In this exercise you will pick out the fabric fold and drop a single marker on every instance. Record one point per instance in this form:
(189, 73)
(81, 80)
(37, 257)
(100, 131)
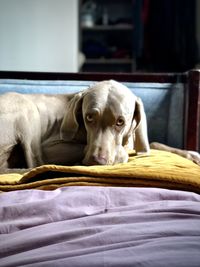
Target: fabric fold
(159, 169)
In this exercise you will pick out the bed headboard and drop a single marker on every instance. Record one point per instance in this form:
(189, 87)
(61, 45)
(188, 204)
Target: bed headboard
(171, 100)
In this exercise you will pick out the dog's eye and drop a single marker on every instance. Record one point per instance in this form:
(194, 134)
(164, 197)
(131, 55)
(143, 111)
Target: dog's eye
(89, 118)
(120, 122)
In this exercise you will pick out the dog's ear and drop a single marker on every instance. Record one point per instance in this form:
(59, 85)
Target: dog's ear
(137, 136)
(70, 123)
(141, 142)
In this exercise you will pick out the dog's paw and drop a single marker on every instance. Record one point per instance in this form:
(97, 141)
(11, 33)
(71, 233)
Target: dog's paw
(194, 156)
(121, 156)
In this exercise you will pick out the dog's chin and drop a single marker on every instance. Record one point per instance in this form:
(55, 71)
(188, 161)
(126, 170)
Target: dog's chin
(91, 161)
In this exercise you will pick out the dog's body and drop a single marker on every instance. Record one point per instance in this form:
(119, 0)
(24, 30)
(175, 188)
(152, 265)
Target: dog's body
(29, 120)
(96, 126)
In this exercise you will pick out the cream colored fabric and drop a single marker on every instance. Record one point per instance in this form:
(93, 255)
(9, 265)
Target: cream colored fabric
(159, 169)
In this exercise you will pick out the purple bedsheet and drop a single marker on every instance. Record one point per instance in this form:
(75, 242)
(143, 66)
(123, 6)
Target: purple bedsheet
(100, 226)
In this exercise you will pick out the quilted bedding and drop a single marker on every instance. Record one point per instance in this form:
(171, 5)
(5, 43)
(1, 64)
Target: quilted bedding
(100, 226)
(143, 213)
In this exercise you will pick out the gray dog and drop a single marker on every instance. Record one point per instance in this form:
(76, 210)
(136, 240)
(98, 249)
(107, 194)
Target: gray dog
(95, 126)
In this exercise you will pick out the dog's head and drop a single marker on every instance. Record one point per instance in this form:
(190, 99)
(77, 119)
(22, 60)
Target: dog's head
(108, 118)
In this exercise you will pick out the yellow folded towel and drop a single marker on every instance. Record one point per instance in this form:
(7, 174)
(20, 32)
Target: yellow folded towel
(159, 169)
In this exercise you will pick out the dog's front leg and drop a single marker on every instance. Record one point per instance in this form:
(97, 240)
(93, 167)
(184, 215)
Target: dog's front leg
(33, 156)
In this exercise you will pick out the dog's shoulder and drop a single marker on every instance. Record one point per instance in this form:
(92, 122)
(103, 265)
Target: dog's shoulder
(12, 102)
(10, 97)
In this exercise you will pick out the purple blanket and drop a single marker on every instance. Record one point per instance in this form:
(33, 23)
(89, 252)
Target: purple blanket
(100, 226)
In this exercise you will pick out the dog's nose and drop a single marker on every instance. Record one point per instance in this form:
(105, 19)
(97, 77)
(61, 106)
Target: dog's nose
(97, 160)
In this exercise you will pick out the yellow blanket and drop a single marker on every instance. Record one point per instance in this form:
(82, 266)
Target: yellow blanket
(159, 169)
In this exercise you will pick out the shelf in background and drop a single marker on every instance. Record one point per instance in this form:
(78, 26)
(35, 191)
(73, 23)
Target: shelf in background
(109, 61)
(107, 35)
(108, 28)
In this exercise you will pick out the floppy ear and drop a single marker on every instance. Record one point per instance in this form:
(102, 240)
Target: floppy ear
(141, 142)
(70, 124)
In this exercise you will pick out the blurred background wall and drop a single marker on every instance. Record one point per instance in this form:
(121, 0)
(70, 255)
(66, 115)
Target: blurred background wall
(99, 35)
(39, 35)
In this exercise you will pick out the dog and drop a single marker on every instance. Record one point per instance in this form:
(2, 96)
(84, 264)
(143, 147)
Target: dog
(96, 126)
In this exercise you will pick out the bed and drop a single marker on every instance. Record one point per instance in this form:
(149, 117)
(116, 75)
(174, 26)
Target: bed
(142, 213)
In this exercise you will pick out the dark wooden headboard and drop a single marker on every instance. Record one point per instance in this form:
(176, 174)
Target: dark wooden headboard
(190, 79)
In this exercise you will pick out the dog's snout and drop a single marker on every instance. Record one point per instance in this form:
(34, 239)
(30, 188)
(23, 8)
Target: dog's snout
(97, 160)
